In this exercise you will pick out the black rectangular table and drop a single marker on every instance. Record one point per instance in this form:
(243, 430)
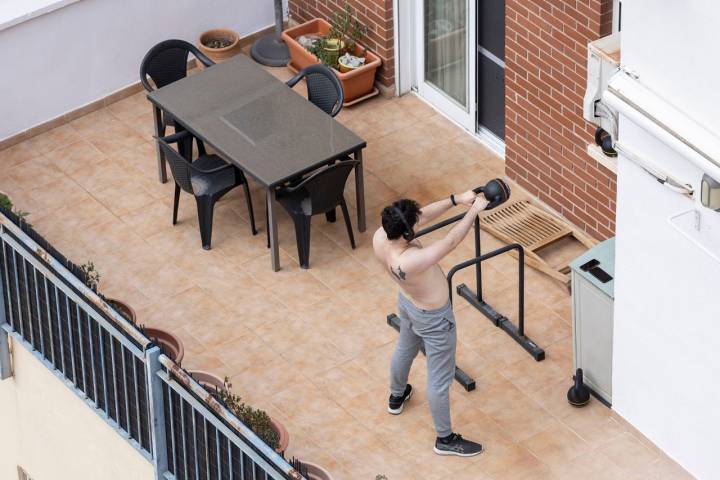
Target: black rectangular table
(256, 122)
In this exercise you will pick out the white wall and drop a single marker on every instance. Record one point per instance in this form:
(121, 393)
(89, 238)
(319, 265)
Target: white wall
(53, 434)
(60, 61)
(667, 309)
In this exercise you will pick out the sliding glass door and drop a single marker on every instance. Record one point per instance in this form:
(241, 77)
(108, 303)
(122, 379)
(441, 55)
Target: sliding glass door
(445, 30)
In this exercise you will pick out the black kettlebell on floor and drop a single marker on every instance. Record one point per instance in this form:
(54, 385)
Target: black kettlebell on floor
(579, 394)
(496, 192)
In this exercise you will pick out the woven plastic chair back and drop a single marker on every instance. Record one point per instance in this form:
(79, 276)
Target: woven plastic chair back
(322, 191)
(166, 62)
(179, 167)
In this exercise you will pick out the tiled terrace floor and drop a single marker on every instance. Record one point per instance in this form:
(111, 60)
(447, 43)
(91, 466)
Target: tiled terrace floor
(312, 347)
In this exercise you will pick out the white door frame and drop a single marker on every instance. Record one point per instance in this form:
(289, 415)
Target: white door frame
(407, 65)
(463, 116)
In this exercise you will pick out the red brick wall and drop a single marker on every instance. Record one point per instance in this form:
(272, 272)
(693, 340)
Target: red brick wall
(546, 136)
(376, 14)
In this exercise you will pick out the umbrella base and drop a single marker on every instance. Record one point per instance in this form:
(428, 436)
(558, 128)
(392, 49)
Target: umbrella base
(271, 51)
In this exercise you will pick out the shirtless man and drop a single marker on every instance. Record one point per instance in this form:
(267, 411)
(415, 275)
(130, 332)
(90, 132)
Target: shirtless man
(424, 307)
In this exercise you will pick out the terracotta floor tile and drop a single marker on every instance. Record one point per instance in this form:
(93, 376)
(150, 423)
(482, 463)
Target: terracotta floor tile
(556, 445)
(628, 453)
(52, 140)
(590, 466)
(663, 469)
(34, 173)
(95, 122)
(510, 461)
(595, 426)
(17, 154)
(76, 157)
(514, 411)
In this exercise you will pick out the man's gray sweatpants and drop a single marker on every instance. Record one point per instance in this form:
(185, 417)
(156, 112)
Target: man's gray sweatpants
(436, 329)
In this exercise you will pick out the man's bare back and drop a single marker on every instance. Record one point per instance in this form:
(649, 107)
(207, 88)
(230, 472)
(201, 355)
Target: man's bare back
(415, 268)
(428, 289)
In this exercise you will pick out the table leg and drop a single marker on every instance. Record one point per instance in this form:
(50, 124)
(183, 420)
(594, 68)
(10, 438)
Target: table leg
(360, 191)
(272, 229)
(160, 132)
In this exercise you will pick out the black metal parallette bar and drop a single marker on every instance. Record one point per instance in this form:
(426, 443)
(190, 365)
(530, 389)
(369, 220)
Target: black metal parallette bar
(461, 377)
(439, 225)
(478, 266)
(499, 320)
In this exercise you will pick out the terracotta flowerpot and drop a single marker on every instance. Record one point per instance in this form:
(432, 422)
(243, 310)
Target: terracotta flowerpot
(356, 83)
(211, 383)
(171, 344)
(316, 472)
(282, 433)
(218, 54)
(123, 309)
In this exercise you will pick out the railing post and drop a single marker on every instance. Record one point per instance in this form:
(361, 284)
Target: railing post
(157, 411)
(5, 365)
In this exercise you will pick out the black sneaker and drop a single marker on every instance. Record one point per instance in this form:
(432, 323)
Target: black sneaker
(454, 444)
(396, 404)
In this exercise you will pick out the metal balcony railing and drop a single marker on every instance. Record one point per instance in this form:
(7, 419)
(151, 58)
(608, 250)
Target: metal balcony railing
(152, 402)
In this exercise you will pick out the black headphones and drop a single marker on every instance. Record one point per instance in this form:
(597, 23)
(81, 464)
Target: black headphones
(409, 233)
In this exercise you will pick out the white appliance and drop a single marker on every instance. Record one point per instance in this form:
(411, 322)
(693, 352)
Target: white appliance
(592, 319)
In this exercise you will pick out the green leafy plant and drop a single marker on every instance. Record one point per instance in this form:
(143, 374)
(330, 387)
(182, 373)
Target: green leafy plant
(345, 27)
(326, 58)
(380, 477)
(6, 203)
(256, 420)
(91, 278)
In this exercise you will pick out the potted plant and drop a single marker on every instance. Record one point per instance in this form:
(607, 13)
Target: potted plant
(170, 343)
(210, 382)
(219, 44)
(269, 430)
(319, 41)
(7, 203)
(310, 470)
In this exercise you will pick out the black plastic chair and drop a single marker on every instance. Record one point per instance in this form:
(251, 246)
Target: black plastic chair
(319, 193)
(166, 63)
(324, 89)
(207, 178)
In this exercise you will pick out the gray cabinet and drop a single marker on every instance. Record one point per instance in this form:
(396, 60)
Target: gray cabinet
(593, 301)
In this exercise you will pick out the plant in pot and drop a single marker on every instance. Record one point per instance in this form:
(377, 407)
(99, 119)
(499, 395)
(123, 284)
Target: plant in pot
(339, 49)
(337, 45)
(269, 430)
(310, 470)
(170, 343)
(346, 31)
(219, 44)
(7, 203)
(210, 382)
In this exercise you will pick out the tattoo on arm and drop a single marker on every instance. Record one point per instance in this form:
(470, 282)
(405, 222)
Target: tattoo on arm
(399, 274)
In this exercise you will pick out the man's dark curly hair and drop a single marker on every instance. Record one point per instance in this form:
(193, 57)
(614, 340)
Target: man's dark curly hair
(392, 222)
